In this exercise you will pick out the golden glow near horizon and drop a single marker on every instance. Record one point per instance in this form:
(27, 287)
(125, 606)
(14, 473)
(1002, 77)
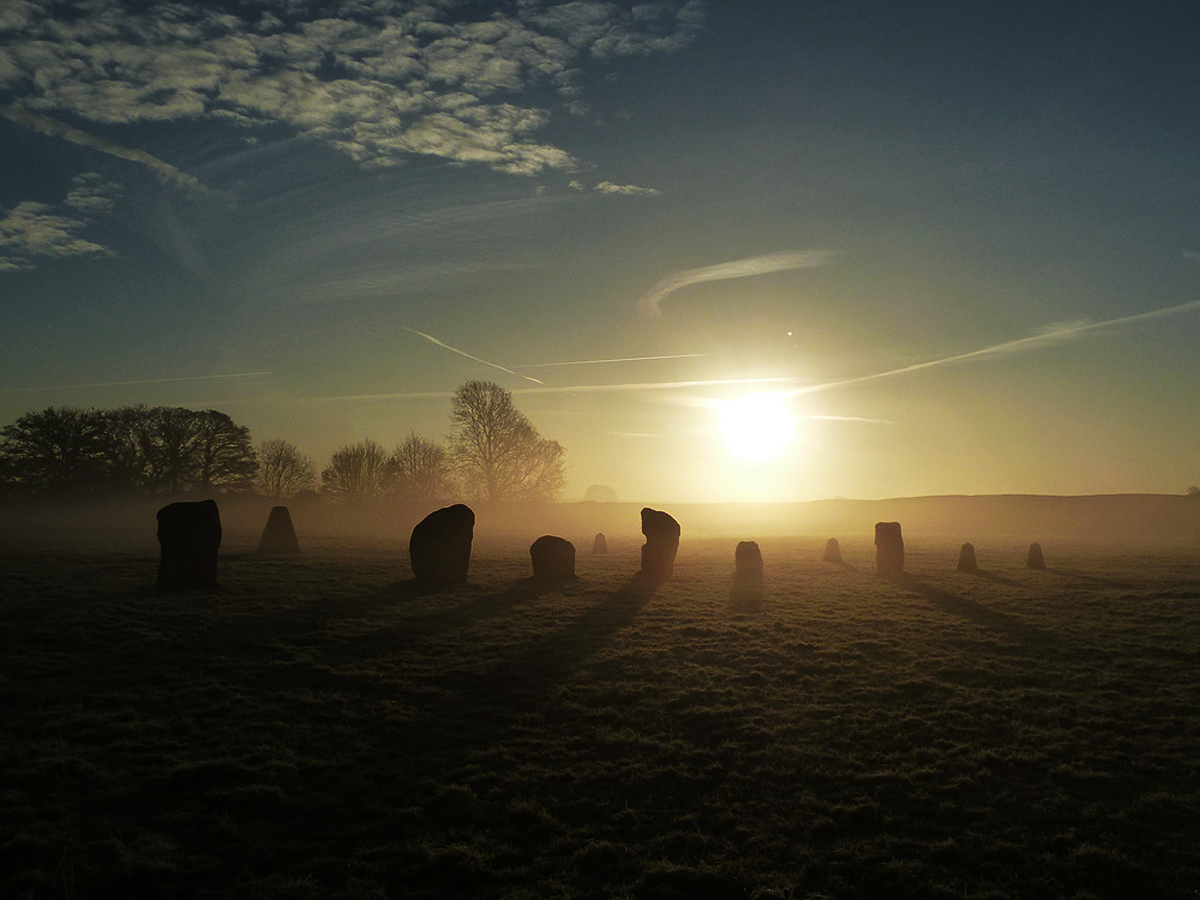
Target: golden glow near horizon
(756, 427)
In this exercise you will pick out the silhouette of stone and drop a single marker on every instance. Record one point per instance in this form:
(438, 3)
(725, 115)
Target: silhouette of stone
(279, 537)
(440, 546)
(833, 551)
(889, 548)
(1035, 560)
(747, 560)
(553, 558)
(966, 559)
(599, 546)
(662, 543)
(189, 537)
(600, 493)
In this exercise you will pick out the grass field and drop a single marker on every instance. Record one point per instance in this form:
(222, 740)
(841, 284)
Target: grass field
(322, 727)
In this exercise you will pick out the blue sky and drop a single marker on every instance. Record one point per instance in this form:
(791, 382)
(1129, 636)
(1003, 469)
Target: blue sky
(958, 240)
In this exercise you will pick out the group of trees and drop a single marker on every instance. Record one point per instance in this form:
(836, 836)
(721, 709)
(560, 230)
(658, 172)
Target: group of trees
(494, 453)
(160, 449)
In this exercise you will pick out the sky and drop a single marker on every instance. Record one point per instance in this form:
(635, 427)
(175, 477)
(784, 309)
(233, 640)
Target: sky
(950, 248)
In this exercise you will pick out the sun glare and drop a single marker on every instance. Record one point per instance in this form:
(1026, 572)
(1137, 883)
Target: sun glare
(756, 427)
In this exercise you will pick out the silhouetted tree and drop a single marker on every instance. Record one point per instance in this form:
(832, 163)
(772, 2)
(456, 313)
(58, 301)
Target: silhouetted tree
(357, 472)
(497, 450)
(127, 444)
(195, 450)
(283, 471)
(159, 448)
(60, 449)
(421, 470)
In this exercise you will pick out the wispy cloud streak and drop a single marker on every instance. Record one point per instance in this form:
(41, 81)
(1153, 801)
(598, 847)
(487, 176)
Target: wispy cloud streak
(650, 303)
(1052, 334)
(603, 362)
(1046, 337)
(104, 384)
(445, 346)
(577, 388)
(52, 128)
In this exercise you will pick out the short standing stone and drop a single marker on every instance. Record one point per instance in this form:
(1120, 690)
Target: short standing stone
(1035, 560)
(189, 535)
(599, 546)
(747, 560)
(889, 548)
(279, 536)
(833, 551)
(662, 543)
(440, 546)
(966, 559)
(553, 558)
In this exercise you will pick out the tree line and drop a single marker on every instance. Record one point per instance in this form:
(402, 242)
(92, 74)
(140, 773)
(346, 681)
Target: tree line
(493, 453)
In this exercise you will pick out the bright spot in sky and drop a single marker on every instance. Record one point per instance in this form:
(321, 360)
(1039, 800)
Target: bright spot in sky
(756, 427)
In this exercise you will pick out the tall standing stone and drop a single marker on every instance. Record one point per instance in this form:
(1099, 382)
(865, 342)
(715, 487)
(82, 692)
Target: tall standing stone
(1035, 560)
(189, 538)
(599, 546)
(553, 558)
(662, 543)
(279, 537)
(747, 560)
(833, 551)
(966, 559)
(889, 549)
(440, 546)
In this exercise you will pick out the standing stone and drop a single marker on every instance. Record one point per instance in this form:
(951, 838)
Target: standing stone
(833, 551)
(553, 558)
(599, 546)
(189, 535)
(440, 546)
(747, 560)
(966, 559)
(662, 543)
(889, 549)
(279, 536)
(1035, 560)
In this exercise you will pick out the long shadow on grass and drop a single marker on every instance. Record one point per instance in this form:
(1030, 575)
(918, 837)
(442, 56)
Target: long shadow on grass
(467, 712)
(1095, 579)
(974, 612)
(996, 579)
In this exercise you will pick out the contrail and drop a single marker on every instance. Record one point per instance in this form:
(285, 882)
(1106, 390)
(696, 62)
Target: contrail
(575, 389)
(651, 303)
(52, 128)
(1049, 335)
(100, 384)
(446, 346)
(866, 419)
(623, 359)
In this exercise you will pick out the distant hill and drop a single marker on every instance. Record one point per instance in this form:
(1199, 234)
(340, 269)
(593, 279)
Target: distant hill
(1126, 517)
(1147, 519)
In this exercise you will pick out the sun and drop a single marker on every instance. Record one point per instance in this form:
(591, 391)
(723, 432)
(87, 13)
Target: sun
(757, 427)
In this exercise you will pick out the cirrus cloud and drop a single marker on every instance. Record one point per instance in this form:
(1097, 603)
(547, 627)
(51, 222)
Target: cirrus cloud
(379, 82)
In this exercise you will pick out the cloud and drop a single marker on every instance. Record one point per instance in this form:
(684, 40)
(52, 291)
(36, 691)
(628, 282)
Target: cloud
(650, 304)
(628, 190)
(92, 194)
(377, 81)
(35, 230)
